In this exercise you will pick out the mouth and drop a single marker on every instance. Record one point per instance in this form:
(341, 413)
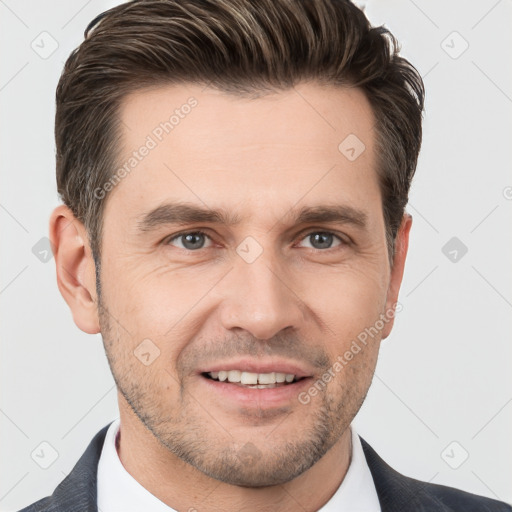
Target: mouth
(255, 385)
(253, 380)
(249, 383)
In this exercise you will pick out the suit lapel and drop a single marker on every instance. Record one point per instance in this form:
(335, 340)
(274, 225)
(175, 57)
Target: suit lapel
(397, 492)
(78, 491)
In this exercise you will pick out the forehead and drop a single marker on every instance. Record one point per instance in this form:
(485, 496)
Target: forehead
(305, 146)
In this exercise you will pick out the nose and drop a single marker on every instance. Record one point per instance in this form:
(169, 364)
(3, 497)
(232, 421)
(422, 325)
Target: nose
(259, 298)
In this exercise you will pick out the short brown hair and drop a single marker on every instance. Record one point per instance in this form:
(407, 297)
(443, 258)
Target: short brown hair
(242, 47)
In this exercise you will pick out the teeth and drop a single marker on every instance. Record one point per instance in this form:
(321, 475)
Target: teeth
(249, 378)
(267, 378)
(234, 376)
(252, 379)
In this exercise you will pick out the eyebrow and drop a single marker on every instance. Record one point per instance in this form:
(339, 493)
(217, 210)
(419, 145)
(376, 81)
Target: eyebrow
(182, 214)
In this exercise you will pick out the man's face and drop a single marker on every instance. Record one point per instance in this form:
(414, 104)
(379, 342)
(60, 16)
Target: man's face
(265, 295)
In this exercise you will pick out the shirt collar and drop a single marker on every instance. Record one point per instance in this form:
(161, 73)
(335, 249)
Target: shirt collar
(357, 491)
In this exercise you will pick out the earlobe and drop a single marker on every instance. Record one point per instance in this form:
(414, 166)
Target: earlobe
(397, 270)
(75, 269)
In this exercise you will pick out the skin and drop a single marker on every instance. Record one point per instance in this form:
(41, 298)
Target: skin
(298, 301)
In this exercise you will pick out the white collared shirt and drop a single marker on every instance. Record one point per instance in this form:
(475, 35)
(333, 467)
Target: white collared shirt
(118, 491)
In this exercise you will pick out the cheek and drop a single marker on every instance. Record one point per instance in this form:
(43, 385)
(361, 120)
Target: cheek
(153, 298)
(157, 310)
(348, 300)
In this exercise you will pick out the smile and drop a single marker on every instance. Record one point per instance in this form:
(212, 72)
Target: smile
(253, 380)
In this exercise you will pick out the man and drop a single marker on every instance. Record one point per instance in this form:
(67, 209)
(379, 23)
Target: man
(234, 177)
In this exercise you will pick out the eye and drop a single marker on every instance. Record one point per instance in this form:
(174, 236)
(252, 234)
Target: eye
(195, 240)
(322, 240)
(190, 241)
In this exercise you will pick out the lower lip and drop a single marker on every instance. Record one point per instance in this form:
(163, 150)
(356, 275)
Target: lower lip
(258, 397)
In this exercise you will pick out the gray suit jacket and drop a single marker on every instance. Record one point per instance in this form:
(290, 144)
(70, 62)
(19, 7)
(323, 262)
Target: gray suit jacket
(397, 493)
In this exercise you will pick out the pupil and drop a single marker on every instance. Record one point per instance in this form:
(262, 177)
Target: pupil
(323, 239)
(189, 241)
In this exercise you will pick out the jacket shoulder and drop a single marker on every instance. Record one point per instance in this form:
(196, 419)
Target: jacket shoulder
(400, 493)
(78, 491)
(456, 499)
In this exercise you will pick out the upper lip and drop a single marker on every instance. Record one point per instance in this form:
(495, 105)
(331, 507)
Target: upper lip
(259, 366)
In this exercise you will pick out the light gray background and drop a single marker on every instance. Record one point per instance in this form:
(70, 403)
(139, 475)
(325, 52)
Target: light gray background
(443, 376)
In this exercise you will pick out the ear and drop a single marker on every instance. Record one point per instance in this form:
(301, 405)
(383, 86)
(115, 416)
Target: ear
(397, 270)
(76, 276)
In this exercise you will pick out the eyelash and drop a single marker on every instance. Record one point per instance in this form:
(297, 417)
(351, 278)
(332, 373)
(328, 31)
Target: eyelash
(303, 235)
